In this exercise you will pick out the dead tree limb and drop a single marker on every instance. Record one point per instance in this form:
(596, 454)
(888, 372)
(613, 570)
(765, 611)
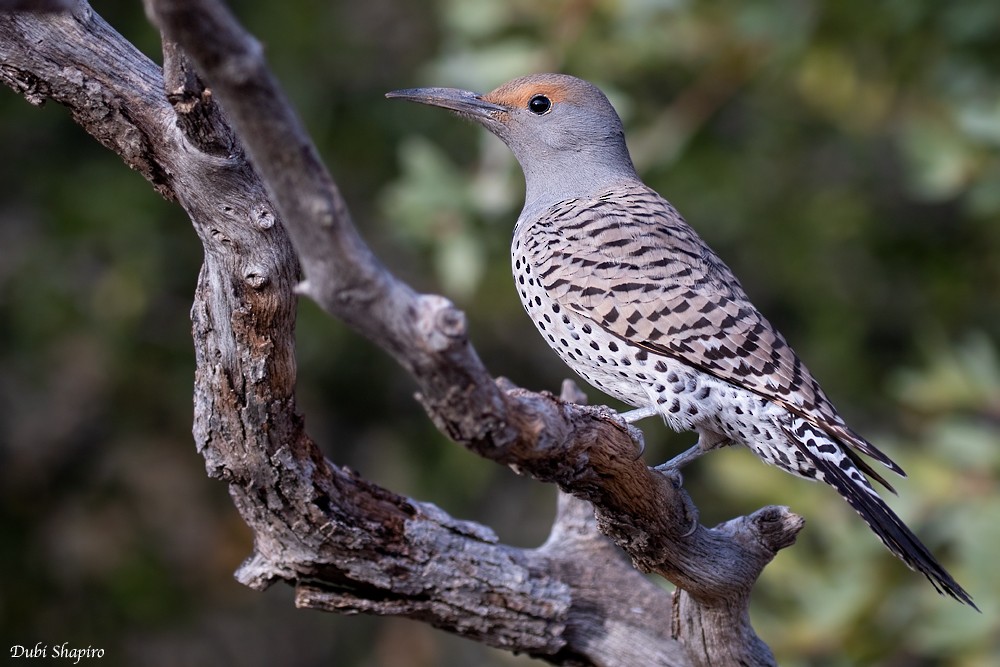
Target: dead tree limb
(346, 544)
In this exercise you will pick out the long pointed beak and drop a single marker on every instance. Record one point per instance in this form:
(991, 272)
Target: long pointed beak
(463, 101)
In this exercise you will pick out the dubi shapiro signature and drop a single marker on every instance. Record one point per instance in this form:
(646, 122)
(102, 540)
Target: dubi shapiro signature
(64, 650)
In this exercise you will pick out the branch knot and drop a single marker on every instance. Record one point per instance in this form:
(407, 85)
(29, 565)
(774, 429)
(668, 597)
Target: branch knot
(440, 323)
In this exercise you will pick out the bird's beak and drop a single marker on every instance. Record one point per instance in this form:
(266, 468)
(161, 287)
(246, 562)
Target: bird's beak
(463, 101)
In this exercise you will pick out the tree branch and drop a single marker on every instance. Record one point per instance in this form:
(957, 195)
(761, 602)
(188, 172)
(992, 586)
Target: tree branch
(347, 544)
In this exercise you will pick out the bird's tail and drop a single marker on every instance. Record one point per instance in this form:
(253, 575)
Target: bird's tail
(838, 471)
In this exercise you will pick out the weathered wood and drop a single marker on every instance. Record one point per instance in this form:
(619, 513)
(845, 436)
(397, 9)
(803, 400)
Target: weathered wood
(346, 544)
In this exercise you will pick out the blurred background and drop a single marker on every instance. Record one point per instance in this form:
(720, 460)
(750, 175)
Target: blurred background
(844, 158)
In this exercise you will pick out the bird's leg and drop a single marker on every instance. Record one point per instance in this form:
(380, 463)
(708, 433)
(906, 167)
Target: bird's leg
(633, 416)
(675, 464)
(707, 440)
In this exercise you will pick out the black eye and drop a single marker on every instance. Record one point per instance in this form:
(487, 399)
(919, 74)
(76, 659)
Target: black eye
(539, 104)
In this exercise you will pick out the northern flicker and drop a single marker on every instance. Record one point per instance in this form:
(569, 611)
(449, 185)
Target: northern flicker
(634, 301)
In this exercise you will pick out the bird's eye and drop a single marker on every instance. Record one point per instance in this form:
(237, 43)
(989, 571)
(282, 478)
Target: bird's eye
(539, 104)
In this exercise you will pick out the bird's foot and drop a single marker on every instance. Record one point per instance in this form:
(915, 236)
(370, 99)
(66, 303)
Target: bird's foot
(694, 522)
(690, 509)
(624, 424)
(636, 435)
(633, 416)
(638, 439)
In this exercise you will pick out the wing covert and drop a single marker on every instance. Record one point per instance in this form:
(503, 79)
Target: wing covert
(627, 261)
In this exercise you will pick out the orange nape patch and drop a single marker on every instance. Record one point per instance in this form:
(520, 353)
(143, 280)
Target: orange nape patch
(517, 93)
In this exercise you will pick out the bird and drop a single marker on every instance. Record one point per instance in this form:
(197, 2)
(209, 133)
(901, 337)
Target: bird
(636, 303)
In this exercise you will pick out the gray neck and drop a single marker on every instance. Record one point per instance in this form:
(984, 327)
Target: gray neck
(554, 177)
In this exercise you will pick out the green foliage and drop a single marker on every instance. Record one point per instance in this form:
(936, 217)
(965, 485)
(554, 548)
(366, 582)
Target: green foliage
(842, 157)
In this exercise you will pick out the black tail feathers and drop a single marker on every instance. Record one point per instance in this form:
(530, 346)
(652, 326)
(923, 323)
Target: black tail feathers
(899, 539)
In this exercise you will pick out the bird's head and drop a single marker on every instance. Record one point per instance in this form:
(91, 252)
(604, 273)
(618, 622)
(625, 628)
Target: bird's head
(563, 130)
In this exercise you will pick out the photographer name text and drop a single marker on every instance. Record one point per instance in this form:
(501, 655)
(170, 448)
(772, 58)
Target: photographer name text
(57, 651)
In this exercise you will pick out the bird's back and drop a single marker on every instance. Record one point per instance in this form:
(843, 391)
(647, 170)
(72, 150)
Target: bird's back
(628, 262)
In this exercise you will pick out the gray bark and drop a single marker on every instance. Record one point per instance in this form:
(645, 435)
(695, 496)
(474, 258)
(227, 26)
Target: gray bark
(266, 209)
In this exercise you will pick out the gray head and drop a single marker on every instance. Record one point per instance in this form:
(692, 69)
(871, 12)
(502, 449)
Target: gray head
(563, 131)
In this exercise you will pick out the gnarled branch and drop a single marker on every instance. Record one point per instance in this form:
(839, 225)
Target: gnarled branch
(346, 544)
